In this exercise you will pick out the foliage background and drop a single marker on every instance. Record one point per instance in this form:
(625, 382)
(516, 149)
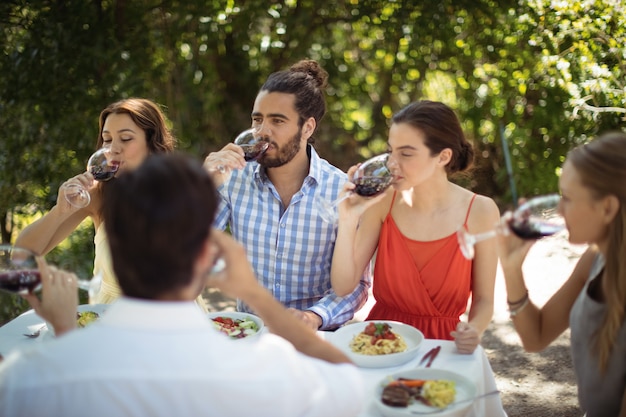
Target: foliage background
(533, 78)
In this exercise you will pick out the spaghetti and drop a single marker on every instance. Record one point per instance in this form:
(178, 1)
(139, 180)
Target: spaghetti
(377, 339)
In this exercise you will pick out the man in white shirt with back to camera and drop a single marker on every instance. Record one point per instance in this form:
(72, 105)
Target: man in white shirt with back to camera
(153, 352)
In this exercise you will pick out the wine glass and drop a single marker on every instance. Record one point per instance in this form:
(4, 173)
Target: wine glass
(534, 219)
(101, 167)
(371, 178)
(252, 144)
(19, 273)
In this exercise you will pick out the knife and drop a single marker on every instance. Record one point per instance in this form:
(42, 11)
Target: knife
(430, 356)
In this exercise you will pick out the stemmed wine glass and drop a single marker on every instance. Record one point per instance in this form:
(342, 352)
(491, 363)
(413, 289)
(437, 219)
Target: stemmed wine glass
(19, 273)
(371, 178)
(101, 167)
(252, 144)
(534, 219)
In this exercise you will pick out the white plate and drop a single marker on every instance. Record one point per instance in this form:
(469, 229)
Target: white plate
(48, 333)
(465, 389)
(236, 315)
(413, 338)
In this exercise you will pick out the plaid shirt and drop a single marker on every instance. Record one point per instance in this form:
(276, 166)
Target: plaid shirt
(290, 248)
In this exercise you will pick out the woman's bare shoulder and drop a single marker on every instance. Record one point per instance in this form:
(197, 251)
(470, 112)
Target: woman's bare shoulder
(484, 212)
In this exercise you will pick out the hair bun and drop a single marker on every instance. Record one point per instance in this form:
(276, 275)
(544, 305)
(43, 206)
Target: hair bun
(313, 69)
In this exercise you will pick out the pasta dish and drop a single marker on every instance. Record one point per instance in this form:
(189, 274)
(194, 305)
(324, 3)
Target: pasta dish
(377, 339)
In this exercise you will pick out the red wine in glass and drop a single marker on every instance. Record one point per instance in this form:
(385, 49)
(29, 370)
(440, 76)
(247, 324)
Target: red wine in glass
(534, 230)
(18, 270)
(20, 281)
(252, 144)
(19, 273)
(253, 152)
(371, 186)
(534, 219)
(371, 178)
(102, 167)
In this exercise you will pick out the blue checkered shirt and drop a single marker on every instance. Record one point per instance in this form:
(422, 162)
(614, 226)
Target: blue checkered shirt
(290, 249)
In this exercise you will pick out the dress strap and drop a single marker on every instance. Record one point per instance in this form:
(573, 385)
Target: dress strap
(468, 210)
(393, 199)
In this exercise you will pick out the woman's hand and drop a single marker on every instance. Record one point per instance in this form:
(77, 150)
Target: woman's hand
(511, 249)
(59, 297)
(355, 205)
(84, 180)
(466, 337)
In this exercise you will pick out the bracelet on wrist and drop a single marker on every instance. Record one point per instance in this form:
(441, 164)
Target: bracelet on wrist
(515, 311)
(520, 301)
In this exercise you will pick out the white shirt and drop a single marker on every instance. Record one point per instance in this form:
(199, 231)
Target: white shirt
(146, 358)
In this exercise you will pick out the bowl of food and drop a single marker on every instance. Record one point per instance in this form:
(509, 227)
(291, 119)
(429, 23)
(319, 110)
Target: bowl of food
(378, 343)
(436, 392)
(85, 315)
(237, 325)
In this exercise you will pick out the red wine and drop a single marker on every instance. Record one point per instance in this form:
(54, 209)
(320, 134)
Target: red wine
(534, 230)
(103, 174)
(26, 280)
(369, 186)
(252, 152)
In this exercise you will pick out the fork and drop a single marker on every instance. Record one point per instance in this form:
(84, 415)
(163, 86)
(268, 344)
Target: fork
(36, 333)
(439, 410)
(429, 357)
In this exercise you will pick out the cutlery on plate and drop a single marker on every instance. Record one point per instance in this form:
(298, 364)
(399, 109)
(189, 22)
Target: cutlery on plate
(439, 410)
(429, 357)
(36, 333)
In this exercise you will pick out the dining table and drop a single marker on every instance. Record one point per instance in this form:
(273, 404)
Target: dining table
(474, 366)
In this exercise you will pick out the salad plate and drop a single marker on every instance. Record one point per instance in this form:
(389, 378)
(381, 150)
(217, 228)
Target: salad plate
(237, 325)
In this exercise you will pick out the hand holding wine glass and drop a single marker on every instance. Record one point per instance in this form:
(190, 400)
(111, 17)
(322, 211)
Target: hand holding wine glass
(534, 219)
(371, 178)
(248, 146)
(102, 167)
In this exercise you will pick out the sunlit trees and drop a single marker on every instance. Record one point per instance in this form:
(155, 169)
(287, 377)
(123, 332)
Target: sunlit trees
(543, 75)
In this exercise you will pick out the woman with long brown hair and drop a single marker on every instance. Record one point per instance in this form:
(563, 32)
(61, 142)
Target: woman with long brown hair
(592, 302)
(132, 128)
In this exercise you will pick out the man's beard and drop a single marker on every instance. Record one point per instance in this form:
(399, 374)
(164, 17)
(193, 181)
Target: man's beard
(285, 154)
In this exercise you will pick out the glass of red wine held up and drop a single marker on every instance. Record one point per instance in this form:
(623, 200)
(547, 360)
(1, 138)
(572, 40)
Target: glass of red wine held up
(252, 144)
(534, 219)
(371, 178)
(19, 273)
(102, 167)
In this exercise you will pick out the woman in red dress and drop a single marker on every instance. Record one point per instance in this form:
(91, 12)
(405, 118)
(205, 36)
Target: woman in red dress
(420, 276)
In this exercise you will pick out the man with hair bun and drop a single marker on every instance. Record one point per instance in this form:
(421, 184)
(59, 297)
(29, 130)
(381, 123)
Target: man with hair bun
(271, 205)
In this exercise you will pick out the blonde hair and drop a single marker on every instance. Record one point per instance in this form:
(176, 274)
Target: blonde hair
(601, 165)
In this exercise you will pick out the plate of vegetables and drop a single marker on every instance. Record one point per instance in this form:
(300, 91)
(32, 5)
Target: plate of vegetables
(237, 325)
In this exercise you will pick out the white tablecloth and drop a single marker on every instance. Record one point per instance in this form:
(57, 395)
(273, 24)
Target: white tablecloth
(476, 366)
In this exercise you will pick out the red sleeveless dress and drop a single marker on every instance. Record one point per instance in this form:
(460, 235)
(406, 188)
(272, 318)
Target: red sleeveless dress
(424, 284)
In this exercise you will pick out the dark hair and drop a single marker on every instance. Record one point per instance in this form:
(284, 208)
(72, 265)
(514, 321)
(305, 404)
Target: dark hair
(442, 129)
(307, 80)
(601, 165)
(157, 219)
(148, 116)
